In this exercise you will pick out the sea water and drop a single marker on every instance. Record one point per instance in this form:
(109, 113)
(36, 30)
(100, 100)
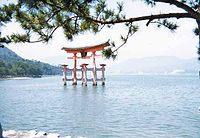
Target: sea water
(126, 107)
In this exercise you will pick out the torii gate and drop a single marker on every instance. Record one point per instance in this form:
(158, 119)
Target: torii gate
(83, 51)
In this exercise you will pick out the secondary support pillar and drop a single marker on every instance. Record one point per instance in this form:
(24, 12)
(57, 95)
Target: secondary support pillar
(103, 73)
(84, 74)
(74, 70)
(94, 70)
(64, 74)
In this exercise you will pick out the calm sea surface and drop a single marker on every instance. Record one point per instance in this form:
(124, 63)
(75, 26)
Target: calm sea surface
(127, 107)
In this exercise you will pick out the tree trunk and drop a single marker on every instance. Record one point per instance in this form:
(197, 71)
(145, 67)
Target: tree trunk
(198, 24)
(1, 131)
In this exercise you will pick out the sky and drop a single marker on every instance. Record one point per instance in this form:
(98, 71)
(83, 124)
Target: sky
(147, 42)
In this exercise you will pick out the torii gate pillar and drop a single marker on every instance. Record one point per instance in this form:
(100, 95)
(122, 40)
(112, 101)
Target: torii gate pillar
(64, 74)
(84, 74)
(103, 73)
(94, 70)
(74, 70)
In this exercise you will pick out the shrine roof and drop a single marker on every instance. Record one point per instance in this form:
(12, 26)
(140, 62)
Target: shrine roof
(86, 48)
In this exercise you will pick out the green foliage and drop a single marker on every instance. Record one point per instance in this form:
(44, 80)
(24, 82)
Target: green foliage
(44, 17)
(19, 69)
(194, 4)
(150, 2)
(198, 52)
(13, 65)
(107, 53)
(196, 32)
(6, 12)
(170, 25)
(3, 70)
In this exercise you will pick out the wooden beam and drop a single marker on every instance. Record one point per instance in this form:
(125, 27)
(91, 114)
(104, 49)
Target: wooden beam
(86, 48)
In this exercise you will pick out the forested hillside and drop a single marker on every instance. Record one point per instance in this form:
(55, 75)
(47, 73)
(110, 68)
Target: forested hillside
(13, 65)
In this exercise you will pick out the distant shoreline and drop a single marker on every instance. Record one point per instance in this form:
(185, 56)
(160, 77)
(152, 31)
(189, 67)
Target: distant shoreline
(21, 76)
(31, 134)
(26, 77)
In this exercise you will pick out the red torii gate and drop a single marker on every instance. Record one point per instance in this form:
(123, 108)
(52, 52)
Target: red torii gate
(83, 51)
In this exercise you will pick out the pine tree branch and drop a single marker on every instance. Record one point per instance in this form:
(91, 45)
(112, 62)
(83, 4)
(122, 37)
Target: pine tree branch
(54, 14)
(50, 36)
(35, 41)
(181, 5)
(129, 34)
(1, 46)
(142, 18)
(53, 5)
(125, 41)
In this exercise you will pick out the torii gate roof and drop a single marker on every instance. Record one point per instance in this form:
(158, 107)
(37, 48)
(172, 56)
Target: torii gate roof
(86, 48)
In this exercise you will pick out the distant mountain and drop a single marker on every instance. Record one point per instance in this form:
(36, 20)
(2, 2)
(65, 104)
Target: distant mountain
(13, 64)
(157, 65)
(55, 60)
(9, 56)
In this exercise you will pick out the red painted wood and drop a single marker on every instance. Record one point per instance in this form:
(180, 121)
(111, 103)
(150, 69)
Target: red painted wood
(87, 48)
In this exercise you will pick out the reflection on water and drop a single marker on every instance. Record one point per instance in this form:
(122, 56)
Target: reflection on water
(127, 106)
